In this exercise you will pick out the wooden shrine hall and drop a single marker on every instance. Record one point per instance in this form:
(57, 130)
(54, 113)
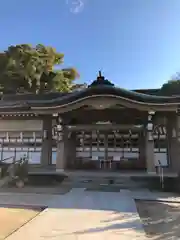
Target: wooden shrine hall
(99, 128)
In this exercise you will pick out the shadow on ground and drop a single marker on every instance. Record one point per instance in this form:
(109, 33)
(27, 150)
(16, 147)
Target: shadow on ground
(118, 225)
(161, 220)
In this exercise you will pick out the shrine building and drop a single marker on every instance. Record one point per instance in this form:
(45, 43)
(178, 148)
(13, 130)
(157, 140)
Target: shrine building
(99, 128)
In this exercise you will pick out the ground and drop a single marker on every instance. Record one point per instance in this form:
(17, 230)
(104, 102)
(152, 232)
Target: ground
(101, 214)
(13, 218)
(37, 190)
(161, 220)
(79, 214)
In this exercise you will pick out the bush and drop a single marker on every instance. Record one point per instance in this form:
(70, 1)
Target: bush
(21, 169)
(4, 170)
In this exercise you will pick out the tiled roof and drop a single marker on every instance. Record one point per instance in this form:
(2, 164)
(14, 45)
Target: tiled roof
(100, 87)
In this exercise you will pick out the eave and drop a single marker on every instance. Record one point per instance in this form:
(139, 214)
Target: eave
(68, 102)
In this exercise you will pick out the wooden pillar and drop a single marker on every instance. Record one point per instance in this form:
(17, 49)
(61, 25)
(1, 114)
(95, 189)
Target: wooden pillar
(71, 145)
(62, 151)
(149, 141)
(142, 149)
(174, 143)
(46, 151)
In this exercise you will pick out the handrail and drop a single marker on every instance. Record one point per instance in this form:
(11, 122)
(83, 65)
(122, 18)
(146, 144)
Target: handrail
(5, 159)
(14, 161)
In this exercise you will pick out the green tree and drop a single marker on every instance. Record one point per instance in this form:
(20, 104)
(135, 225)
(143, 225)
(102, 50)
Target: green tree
(27, 68)
(172, 87)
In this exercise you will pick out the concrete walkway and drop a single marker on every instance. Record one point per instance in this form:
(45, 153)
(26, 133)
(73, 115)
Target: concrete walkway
(83, 215)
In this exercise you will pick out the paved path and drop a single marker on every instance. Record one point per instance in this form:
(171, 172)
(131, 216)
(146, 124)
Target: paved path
(83, 215)
(26, 199)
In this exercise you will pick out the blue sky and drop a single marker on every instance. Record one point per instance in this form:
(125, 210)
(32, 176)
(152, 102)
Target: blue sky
(136, 43)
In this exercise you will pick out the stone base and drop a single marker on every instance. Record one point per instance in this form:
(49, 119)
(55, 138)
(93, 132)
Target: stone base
(152, 173)
(60, 170)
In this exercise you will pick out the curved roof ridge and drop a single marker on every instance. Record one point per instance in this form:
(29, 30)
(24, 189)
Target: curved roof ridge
(107, 90)
(134, 92)
(93, 91)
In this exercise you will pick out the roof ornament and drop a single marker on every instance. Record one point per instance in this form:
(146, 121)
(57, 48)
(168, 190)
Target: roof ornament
(100, 81)
(100, 77)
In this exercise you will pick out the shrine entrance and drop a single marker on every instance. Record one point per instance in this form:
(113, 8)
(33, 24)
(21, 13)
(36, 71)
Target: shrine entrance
(107, 149)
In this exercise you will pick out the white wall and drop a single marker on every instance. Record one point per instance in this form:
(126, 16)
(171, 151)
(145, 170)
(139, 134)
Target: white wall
(21, 125)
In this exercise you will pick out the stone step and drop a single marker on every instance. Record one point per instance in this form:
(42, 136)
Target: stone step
(99, 181)
(102, 182)
(93, 186)
(106, 178)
